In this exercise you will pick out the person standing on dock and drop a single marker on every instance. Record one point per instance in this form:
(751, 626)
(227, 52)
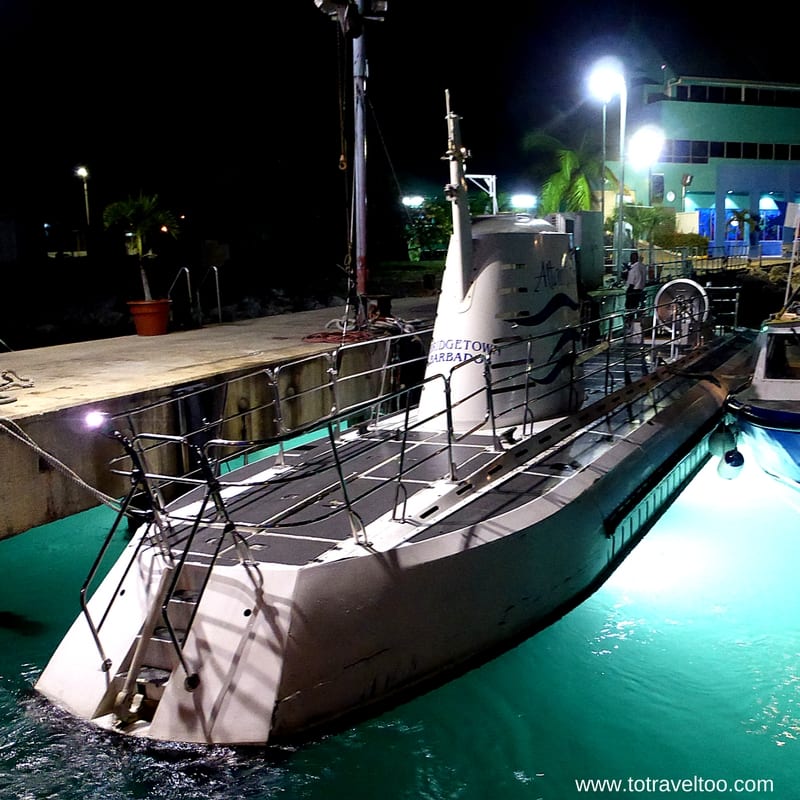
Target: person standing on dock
(634, 289)
(635, 283)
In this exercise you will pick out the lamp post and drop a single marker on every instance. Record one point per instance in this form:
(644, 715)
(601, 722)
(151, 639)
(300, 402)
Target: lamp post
(645, 148)
(686, 182)
(603, 170)
(83, 174)
(605, 81)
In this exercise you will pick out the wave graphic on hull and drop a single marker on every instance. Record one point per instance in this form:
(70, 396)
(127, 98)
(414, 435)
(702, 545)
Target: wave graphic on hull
(555, 303)
(564, 362)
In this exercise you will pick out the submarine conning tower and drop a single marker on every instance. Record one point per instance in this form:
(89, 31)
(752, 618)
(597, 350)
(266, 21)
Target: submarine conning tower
(520, 304)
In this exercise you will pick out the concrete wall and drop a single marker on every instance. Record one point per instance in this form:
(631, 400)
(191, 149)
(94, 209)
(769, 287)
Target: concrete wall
(34, 491)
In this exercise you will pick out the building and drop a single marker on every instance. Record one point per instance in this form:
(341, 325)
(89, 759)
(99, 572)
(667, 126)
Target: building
(730, 162)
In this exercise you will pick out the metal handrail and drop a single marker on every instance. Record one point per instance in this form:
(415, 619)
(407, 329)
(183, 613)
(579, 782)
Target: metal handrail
(182, 271)
(216, 451)
(215, 270)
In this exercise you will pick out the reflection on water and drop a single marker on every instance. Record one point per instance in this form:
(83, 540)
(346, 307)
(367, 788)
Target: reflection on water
(686, 662)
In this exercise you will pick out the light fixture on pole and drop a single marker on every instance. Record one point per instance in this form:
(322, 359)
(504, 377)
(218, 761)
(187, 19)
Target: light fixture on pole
(603, 170)
(83, 174)
(644, 149)
(524, 201)
(686, 182)
(606, 81)
(600, 90)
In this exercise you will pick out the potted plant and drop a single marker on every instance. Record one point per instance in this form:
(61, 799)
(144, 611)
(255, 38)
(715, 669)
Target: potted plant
(141, 217)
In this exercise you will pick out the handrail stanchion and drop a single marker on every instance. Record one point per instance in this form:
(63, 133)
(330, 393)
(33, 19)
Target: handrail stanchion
(215, 270)
(183, 271)
(219, 295)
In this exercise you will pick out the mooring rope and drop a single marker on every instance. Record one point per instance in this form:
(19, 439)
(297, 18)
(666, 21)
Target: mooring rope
(10, 380)
(15, 432)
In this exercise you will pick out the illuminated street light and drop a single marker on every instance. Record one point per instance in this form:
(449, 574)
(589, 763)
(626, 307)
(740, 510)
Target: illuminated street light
(523, 201)
(644, 149)
(413, 201)
(83, 174)
(645, 146)
(607, 80)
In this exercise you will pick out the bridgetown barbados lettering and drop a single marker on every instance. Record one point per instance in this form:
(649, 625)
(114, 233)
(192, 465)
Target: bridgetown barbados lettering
(454, 350)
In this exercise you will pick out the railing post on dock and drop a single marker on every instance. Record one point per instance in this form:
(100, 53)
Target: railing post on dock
(215, 270)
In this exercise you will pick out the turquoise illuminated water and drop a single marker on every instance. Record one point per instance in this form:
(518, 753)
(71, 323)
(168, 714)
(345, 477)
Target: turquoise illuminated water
(685, 666)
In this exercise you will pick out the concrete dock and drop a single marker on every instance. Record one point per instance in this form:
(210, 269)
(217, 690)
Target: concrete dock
(43, 392)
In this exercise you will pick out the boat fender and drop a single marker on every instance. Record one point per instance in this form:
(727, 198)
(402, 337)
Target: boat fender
(730, 465)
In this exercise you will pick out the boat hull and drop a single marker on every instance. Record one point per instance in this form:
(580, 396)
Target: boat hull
(767, 410)
(272, 601)
(283, 652)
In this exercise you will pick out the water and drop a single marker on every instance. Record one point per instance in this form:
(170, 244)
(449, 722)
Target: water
(685, 666)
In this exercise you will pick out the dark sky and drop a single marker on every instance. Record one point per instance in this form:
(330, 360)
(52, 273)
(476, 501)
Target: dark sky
(231, 111)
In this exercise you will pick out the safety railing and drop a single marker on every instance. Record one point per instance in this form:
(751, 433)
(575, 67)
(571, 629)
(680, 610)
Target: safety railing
(370, 386)
(360, 383)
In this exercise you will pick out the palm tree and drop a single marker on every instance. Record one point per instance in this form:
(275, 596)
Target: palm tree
(140, 217)
(644, 220)
(569, 188)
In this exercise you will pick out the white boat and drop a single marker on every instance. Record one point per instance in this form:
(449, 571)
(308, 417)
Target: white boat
(765, 414)
(397, 543)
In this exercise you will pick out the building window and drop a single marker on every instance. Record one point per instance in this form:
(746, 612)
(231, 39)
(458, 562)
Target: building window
(766, 151)
(699, 152)
(737, 95)
(681, 151)
(733, 95)
(656, 188)
(685, 151)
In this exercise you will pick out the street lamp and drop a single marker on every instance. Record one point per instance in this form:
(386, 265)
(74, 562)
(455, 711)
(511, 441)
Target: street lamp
(523, 201)
(644, 149)
(606, 80)
(83, 174)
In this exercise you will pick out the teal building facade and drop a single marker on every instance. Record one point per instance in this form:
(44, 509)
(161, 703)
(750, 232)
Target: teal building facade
(730, 162)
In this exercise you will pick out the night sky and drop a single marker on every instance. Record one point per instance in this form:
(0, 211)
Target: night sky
(231, 112)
